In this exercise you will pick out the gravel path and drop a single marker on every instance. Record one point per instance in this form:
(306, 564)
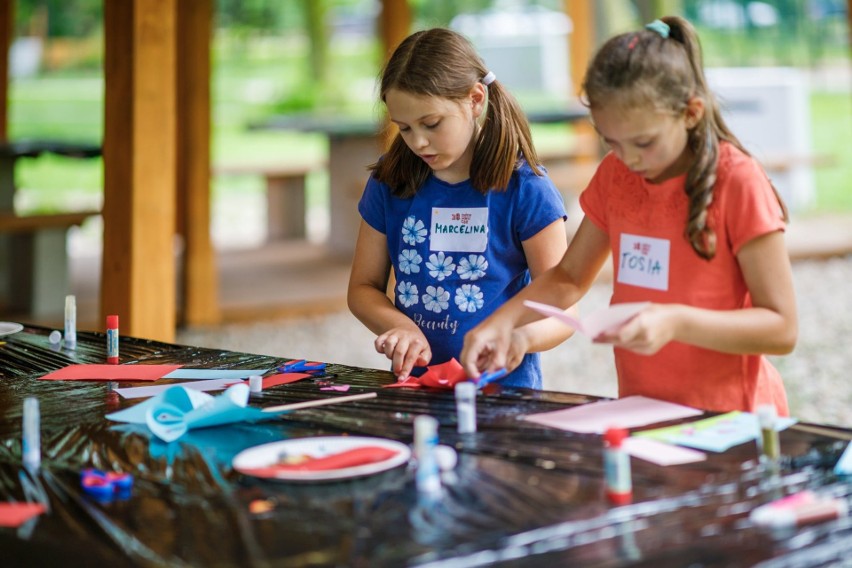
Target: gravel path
(816, 374)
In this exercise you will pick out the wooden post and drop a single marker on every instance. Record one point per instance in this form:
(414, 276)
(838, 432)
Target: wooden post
(199, 279)
(582, 40)
(7, 32)
(394, 24)
(138, 271)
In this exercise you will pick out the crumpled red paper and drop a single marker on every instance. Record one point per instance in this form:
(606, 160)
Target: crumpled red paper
(442, 376)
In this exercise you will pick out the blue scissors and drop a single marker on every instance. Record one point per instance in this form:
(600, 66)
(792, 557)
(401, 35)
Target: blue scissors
(104, 485)
(491, 377)
(302, 366)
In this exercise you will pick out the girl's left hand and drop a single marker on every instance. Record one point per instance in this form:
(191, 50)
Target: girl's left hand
(646, 333)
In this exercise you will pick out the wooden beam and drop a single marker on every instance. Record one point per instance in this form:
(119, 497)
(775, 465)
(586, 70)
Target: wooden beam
(7, 32)
(138, 270)
(199, 280)
(582, 40)
(394, 24)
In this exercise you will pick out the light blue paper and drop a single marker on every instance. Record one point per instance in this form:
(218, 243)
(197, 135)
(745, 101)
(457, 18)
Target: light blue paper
(193, 374)
(716, 434)
(844, 464)
(178, 409)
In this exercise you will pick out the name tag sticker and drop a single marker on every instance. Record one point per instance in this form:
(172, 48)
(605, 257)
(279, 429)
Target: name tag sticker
(459, 230)
(644, 262)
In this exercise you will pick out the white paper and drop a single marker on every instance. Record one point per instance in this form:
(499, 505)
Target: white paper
(594, 324)
(153, 390)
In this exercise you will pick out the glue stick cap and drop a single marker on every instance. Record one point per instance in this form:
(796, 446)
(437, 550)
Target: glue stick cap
(614, 436)
(112, 322)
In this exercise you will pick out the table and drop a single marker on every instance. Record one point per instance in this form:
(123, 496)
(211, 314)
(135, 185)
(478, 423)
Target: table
(521, 494)
(33, 256)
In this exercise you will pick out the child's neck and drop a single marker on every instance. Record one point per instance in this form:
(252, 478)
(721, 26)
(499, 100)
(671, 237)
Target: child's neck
(677, 168)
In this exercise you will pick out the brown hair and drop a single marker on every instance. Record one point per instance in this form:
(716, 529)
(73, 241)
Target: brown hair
(442, 63)
(645, 68)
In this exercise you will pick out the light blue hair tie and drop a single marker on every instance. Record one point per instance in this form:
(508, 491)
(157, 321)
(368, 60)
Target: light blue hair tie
(660, 27)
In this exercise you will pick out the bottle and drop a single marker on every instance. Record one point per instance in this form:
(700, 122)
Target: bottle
(770, 444)
(70, 322)
(466, 407)
(619, 483)
(112, 339)
(31, 447)
(428, 475)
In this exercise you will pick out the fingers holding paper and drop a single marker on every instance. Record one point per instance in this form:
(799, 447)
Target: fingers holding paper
(645, 333)
(406, 348)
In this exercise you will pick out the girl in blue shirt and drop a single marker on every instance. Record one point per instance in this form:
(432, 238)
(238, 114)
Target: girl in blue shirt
(458, 207)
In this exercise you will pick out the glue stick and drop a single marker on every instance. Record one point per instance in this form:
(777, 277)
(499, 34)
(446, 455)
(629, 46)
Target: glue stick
(770, 444)
(428, 475)
(31, 450)
(112, 339)
(466, 407)
(70, 322)
(619, 483)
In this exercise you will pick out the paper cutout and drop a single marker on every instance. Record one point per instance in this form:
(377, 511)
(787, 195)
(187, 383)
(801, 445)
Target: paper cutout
(15, 514)
(284, 379)
(844, 464)
(154, 390)
(442, 376)
(629, 412)
(110, 373)
(715, 434)
(607, 319)
(338, 388)
(170, 414)
(206, 374)
(660, 453)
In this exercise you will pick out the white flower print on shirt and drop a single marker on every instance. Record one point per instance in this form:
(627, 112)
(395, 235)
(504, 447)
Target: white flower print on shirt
(409, 261)
(436, 299)
(469, 298)
(407, 295)
(440, 266)
(413, 231)
(472, 267)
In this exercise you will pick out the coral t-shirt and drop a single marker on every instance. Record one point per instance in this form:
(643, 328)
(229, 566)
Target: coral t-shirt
(653, 261)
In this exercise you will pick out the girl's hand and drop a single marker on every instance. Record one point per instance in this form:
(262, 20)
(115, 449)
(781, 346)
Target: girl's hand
(646, 333)
(406, 347)
(486, 348)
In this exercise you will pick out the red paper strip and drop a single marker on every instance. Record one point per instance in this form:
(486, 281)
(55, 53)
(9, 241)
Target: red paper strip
(283, 379)
(15, 514)
(110, 373)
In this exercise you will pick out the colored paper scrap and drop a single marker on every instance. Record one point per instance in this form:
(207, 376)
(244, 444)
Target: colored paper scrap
(338, 388)
(442, 376)
(154, 390)
(628, 412)
(284, 379)
(205, 374)
(84, 372)
(715, 434)
(170, 414)
(607, 319)
(661, 453)
(844, 464)
(15, 514)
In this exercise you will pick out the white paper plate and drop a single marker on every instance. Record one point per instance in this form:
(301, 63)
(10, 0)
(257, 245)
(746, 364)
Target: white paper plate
(269, 454)
(8, 327)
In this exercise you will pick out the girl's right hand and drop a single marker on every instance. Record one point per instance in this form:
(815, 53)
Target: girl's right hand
(486, 348)
(406, 348)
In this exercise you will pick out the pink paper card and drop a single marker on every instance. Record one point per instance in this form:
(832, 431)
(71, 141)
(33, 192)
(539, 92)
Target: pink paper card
(15, 514)
(607, 319)
(660, 453)
(110, 373)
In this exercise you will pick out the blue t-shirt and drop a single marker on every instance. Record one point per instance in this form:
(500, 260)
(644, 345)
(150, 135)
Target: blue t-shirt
(457, 254)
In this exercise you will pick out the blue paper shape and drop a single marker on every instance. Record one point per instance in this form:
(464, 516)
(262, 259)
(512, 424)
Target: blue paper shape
(174, 411)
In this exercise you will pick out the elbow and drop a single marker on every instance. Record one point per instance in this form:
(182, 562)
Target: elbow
(786, 341)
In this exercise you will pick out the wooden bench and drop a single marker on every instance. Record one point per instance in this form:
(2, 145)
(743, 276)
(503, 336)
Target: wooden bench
(286, 195)
(34, 276)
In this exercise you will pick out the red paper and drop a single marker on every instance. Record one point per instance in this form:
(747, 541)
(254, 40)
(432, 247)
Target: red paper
(15, 514)
(110, 373)
(283, 379)
(443, 376)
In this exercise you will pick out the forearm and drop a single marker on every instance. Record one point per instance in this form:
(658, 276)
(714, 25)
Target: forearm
(375, 310)
(544, 334)
(744, 331)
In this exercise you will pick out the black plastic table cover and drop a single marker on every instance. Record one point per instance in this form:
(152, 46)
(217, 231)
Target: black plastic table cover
(520, 495)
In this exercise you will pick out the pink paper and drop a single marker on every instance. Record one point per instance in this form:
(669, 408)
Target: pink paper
(660, 453)
(339, 388)
(15, 514)
(594, 324)
(110, 373)
(629, 412)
